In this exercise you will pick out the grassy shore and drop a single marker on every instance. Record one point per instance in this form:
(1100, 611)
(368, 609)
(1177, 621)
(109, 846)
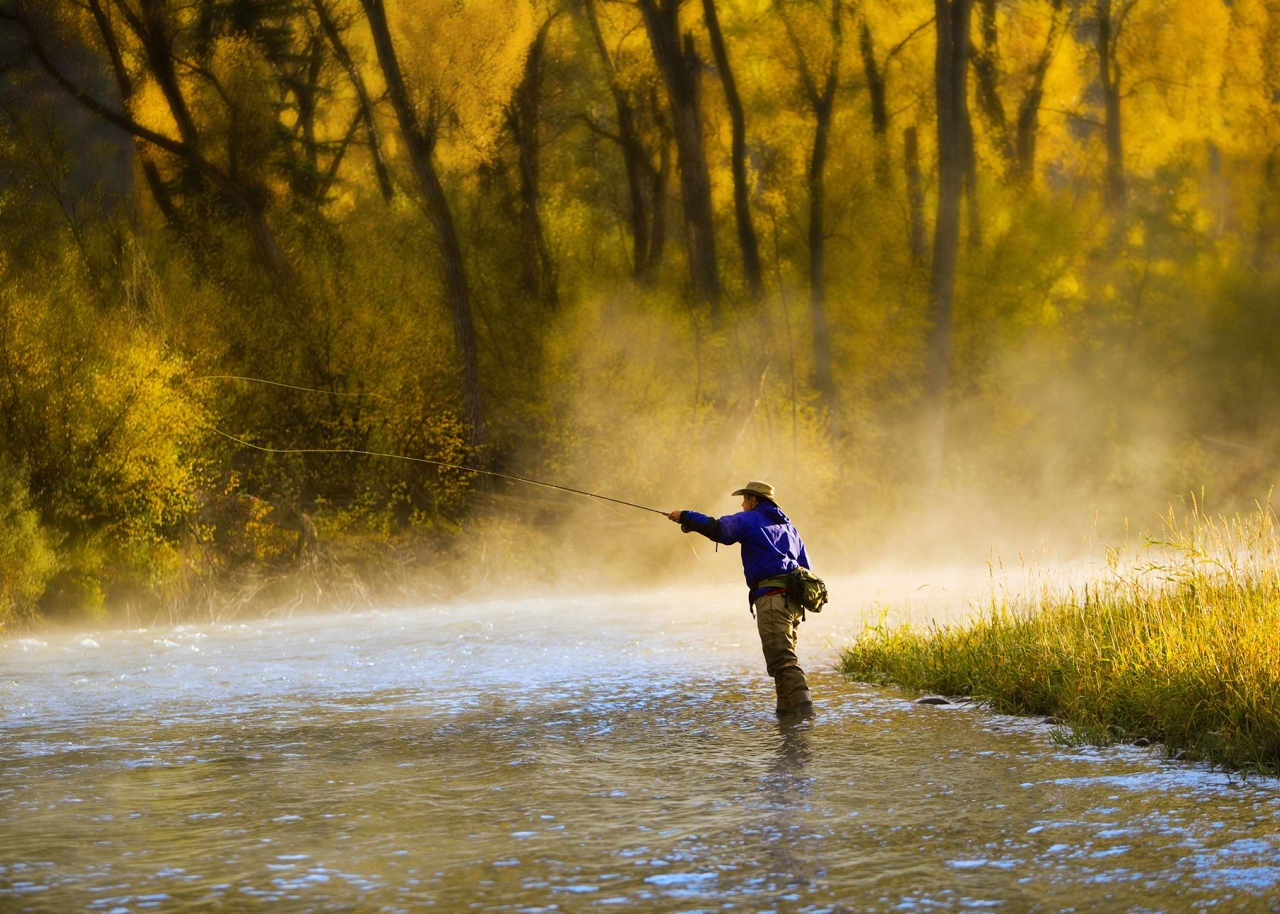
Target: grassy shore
(1180, 645)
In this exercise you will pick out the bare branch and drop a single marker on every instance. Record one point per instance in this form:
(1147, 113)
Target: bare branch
(897, 48)
(598, 130)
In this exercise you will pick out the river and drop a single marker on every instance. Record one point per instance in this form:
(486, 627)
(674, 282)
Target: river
(571, 754)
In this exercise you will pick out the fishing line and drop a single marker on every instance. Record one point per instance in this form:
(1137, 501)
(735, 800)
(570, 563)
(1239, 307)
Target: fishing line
(434, 463)
(629, 518)
(312, 390)
(705, 567)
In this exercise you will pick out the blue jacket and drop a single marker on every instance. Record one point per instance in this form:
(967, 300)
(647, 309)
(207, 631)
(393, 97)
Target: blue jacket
(770, 544)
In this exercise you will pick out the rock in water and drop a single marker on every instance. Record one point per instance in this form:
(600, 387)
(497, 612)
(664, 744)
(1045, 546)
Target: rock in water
(1051, 721)
(1142, 741)
(932, 700)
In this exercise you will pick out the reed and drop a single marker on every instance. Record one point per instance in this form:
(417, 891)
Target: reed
(1179, 644)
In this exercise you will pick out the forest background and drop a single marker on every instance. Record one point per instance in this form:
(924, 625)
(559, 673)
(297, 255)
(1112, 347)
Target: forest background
(951, 274)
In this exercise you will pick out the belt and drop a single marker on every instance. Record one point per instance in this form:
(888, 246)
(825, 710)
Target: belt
(775, 584)
(769, 587)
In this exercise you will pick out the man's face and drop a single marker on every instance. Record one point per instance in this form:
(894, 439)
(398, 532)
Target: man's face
(749, 502)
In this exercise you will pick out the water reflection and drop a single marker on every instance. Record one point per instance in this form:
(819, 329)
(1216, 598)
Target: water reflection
(792, 865)
(602, 755)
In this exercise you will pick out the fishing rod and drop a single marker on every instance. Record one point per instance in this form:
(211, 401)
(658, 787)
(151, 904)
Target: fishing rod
(434, 463)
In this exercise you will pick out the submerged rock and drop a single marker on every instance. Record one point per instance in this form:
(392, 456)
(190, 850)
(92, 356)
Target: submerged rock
(932, 700)
(1052, 721)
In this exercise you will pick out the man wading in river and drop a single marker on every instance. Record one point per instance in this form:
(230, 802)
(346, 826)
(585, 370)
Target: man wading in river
(771, 549)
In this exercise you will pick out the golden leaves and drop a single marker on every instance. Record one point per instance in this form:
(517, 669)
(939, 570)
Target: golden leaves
(463, 60)
(239, 110)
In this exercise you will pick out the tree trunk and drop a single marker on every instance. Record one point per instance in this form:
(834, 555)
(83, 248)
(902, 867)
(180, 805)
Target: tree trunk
(362, 95)
(1028, 128)
(634, 157)
(822, 100)
(1029, 108)
(661, 182)
(951, 67)
(915, 195)
(877, 92)
(265, 239)
(681, 73)
(306, 92)
(1267, 210)
(149, 28)
(538, 273)
(159, 192)
(1109, 78)
(419, 146)
(986, 70)
(747, 240)
(823, 378)
(204, 30)
(974, 209)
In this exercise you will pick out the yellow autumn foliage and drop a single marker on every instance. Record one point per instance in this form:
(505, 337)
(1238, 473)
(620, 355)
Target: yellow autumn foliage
(462, 60)
(1103, 351)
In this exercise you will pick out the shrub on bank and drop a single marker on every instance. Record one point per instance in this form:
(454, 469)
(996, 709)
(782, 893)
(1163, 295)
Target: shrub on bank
(27, 556)
(1181, 650)
(94, 413)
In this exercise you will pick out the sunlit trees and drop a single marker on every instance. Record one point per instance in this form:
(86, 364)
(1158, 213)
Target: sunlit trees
(367, 115)
(1108, 22)
(206, 90)
(636, 113)
(676, 53)
(819, 79)
(524, 120)
(454, 56)
(238, 190)
(1252, 143)
(748, 243)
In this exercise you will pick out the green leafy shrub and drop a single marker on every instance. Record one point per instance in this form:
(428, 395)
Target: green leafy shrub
(92, 406)
(27, 555)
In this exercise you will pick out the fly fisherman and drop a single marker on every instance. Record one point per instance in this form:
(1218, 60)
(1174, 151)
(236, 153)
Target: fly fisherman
(771, 549)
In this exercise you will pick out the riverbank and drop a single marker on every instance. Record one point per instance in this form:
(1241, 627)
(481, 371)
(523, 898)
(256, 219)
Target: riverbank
(1177, 646)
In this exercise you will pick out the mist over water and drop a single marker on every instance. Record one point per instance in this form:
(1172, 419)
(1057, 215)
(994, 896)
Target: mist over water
(567, 754)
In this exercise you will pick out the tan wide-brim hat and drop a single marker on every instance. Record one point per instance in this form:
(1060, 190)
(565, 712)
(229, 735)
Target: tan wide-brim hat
(756, 488)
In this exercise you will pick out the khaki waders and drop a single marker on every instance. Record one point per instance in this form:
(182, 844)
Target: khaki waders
(777, 620)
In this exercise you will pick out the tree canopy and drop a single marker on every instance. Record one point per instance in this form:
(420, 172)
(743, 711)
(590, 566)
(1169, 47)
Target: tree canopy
(879, 250)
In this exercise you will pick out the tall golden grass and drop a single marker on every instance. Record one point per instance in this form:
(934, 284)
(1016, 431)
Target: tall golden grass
(1179, 644)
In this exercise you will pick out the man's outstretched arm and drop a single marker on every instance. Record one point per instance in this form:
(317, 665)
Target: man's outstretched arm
(693, 522)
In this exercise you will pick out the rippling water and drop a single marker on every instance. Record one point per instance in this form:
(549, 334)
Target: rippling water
(567, 755)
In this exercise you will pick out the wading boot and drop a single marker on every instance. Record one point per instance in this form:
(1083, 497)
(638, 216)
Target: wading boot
(798, 703)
